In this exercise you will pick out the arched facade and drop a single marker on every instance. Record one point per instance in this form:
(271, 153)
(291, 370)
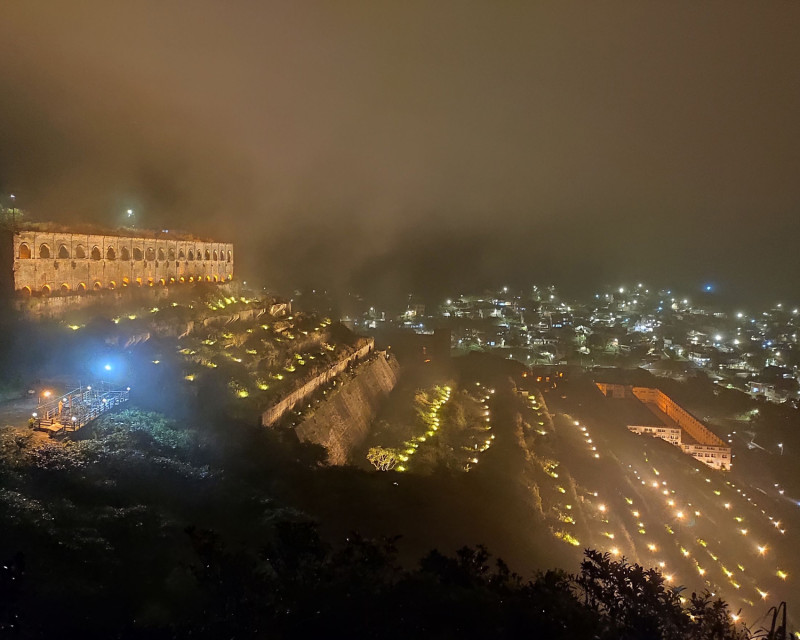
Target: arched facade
(47, 263)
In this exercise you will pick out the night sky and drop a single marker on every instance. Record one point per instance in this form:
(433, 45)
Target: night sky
(421, 146)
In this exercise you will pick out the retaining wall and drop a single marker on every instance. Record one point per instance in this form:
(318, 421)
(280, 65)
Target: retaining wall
(343, 421)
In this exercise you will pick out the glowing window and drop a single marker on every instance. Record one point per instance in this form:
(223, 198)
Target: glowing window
(97, 286)
(46, 290)
(64, 288)
(24, 253)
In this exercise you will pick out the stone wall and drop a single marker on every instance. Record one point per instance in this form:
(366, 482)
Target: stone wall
(110, 300)
(343, 421)
(276, 411)
(49, 263)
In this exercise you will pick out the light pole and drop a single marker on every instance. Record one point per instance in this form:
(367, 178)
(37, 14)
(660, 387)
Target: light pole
(130, 217)
(13, 213)
(780, 444)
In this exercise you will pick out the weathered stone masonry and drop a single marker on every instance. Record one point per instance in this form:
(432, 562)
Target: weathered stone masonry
(48, 263)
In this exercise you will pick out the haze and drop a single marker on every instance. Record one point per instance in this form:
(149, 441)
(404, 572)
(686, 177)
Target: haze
(420, 146)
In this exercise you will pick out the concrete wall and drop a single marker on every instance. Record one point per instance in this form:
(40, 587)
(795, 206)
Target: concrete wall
(670, 434)
(613, 390)
(51, 263)
(686, 420)
(343, 421)
(276, 411)
(707, 447)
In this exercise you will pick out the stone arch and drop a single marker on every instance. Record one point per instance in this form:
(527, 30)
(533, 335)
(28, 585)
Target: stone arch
(150, 254)
(64, 290)
(125, 281)
(138, 282)
(216, 279)
(162, 282)
(25, 291)
(191, 278)
(81, 287)
(63, 252)
(161, 254)
(137, 253)
(183, 279)
(24, 252)
(229, 256)
(172, 280)
(96, 254)
(171, 253)
(208, 278)
(207, 255)
(111, 254)
(216, 257)
(191, 255)
(150, 282)
(112, 285)
(230, 277)
(45, 290)
(44, 252)
(181, 255)
(80, 252)
(97, 285)
(124, 254)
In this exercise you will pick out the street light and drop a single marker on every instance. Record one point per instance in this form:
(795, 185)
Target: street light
(780, 444)
(13, 213)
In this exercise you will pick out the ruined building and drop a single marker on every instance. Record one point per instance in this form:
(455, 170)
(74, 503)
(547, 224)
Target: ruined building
(45, 263)
(660, 416)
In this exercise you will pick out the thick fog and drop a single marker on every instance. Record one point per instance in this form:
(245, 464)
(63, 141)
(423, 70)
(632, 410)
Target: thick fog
(420, 146)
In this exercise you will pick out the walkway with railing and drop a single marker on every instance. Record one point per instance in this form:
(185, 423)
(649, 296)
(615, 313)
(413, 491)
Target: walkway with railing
(72, 410)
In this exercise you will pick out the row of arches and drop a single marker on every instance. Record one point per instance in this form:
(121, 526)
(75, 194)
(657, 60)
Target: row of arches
(125, 254)
(82, 287)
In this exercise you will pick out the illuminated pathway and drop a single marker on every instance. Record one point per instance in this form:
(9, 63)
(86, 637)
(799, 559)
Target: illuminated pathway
(633, 497)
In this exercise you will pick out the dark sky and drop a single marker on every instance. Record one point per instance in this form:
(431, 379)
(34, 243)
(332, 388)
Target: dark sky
(426, 145)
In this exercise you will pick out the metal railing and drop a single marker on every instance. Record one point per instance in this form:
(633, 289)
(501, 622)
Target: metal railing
(74, 409)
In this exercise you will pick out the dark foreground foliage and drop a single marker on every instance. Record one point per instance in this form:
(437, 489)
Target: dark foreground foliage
(299, 587)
